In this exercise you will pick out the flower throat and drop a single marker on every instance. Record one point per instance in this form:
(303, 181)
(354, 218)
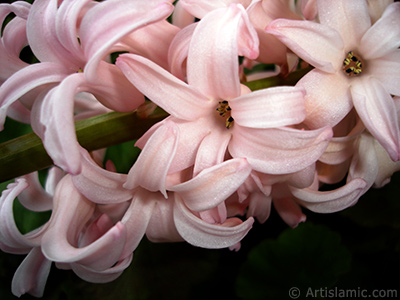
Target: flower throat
(352, 64)
(225, 111)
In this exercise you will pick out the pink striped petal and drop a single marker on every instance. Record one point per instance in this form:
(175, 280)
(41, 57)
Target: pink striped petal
(110, 21)
(376, 109)
(268, 108)
(212, 60)
(173, 95)
(205, 235)
(280, 150)
(31, 275)
(318, 44)
(213, 185)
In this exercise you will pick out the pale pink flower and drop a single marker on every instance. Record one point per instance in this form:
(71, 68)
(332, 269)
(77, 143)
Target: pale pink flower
(356, 64)
(78, 235)
(369, 165)
(52, 33)
(215, 113)
(177, 207)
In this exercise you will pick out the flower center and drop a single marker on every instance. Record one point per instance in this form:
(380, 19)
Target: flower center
(352, 64)
(225, 111)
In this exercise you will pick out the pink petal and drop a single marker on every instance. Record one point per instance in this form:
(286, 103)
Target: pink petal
(141, 41)
(376, 109)
(137, 218)
(317, 44)
(328, 98)
(34, 197)
(113, 90)
(57, 117)
(205, 235)
(387, 70)
(99, 185)
(341, 148)
(26, 80)
(259, 206)
(384, 36)
(173, 95)
(66, 21)
(212, 61)
(42, 37)
(161, 228)
(332, 201)
(271, 49)
(200, 8)
(213, 185)
(101, 276)
(71, 212)
(350, 18)
(13, 41)
(273, 107)
(110, 21)
(11, 238)
(31, 275)
(181, 17)
(365, 162)
(289, 211)
(212, 150)
(156, 156)
(179, 50)
(281, 150)
(386, 166)
(191, 134)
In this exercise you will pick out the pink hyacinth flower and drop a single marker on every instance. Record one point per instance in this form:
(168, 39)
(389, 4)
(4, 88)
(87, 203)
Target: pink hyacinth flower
(52, 33)
(214, 113)
(357, 64)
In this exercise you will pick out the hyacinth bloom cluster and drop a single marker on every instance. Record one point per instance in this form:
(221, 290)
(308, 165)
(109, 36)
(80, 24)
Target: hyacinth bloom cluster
(225, 154)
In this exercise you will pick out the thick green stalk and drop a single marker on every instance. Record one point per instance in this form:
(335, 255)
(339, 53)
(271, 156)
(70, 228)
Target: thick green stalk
(26, 154)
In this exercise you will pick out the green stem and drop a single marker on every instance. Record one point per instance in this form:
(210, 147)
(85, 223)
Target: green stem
(26, 154)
